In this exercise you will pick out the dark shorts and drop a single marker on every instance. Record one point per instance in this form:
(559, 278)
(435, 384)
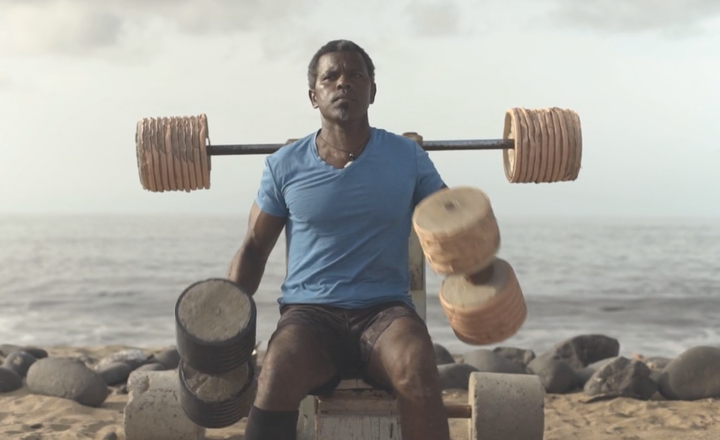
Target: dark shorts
(348, 334)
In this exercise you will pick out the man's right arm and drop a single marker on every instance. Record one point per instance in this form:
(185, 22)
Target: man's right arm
(248, 265)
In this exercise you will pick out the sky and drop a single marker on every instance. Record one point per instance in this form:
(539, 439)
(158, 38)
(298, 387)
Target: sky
(644, 76)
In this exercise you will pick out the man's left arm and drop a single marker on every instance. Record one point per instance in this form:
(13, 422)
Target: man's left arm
(428, 180)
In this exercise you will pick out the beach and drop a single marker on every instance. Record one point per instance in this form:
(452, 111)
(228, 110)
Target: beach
(27, 416)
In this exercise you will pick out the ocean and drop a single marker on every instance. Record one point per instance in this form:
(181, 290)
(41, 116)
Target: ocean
(654, 284)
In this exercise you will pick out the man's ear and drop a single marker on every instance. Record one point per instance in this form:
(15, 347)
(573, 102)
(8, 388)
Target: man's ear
(373, 92)
(311, 96)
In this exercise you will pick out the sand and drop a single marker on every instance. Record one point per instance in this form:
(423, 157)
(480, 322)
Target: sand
(24, 416)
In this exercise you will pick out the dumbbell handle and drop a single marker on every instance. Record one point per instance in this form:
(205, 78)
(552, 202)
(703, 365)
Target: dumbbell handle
(475, 144)
(458, 411)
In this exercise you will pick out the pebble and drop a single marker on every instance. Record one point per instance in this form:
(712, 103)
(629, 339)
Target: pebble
(37, 353)
(489, 361)
(455, 375)
(153, 366)
(693, 375)
(114, 373)
(110, 436)
(556, 375)
(9, 380)
(133, 357)
(169, 358)
(583, 350)
(518, 355)
(442, 355)
(621, 377)
(19, 362)
(67, 378)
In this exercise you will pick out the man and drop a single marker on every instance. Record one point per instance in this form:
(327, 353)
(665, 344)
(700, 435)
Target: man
(345, 196)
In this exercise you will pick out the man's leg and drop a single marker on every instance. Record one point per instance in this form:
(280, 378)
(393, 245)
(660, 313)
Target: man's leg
(301, 357)
(402, 357)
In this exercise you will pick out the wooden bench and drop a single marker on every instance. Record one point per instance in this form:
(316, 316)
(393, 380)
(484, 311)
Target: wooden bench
(356, 410)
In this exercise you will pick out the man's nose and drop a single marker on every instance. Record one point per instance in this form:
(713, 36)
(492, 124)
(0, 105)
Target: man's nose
(343, 82)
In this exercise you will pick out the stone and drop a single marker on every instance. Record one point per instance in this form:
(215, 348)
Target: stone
(693, 375)
(169, 358)
(621, 377)
(9, 380)
(152, 366)
(519, 355)
(67, 378)
(488, 361)
(581, 351)
(586, 373)
(19, 362)
(455, 375)
(114, 373)
(442, 355)
(133, 357)
(37, 353)
(153, 410)
(555, 374)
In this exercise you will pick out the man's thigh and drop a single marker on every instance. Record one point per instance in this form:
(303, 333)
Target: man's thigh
(305, 352)
(396, 339)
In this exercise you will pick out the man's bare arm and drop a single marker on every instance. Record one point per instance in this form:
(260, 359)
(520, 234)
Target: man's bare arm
(248, 265)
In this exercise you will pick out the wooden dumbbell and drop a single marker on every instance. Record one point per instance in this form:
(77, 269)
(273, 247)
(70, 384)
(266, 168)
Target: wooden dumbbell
(460, 238)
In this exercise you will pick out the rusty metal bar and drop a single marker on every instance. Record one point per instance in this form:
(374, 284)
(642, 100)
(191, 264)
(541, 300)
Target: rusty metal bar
(458, 411)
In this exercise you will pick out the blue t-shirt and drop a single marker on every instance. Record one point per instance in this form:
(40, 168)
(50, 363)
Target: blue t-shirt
(347, 229)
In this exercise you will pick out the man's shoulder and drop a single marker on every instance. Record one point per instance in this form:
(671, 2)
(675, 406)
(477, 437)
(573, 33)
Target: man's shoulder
(388, 137)
(292, 153)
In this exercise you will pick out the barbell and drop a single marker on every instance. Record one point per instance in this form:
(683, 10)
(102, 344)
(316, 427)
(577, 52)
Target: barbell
(539, 146)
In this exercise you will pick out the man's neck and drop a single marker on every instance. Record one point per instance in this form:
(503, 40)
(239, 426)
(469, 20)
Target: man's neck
(345, 135)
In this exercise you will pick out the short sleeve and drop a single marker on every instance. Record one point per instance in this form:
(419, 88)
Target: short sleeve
(428, 179)
(270, 198)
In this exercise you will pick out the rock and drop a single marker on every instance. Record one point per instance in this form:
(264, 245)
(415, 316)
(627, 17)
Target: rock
(693, 375)
(19, 362)
(153, 366)
(586, 373)
(555, 374)
(621, 377)
(67, 378)
(455, 376)
(442, 355)
(490, 362)
(9, 380)
(37, 353)
(169, 358)
(133, 357)
(583, 350)
(519, 355)
(114, 373)
(110, 436)
(656, 363)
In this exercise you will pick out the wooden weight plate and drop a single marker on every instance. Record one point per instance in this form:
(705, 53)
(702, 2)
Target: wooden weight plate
(178, 125)
(457, 228)
(561, 128)
(146, 164)
(487, 313)
(204, 158)
(195, 171)
(545, 147)
(551, 145)
(569, 123)
(510, 160)
(158, 164)
(164, 184)
(529, 145)
(167, 147)
(578, 145)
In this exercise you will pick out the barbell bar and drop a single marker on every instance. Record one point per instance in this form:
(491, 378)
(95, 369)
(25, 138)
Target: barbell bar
(538, 145)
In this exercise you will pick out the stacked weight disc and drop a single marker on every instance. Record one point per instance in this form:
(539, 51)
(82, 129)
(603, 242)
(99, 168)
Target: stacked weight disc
(215, 325)
(460, 238)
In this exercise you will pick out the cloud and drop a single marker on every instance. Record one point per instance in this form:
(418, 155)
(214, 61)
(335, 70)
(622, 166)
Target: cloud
(436, 18)
(635, 16)
(6, 82)
(86, 26)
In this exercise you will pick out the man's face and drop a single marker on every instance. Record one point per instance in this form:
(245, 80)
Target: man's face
(343, 89)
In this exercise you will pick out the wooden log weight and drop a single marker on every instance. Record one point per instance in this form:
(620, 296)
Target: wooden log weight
(457, 230)
(483, 312)
(539, 146)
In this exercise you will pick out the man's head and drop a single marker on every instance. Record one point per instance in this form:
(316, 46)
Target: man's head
(341, 81)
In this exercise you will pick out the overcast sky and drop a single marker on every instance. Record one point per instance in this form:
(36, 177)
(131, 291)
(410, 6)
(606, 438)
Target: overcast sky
(644, 75)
